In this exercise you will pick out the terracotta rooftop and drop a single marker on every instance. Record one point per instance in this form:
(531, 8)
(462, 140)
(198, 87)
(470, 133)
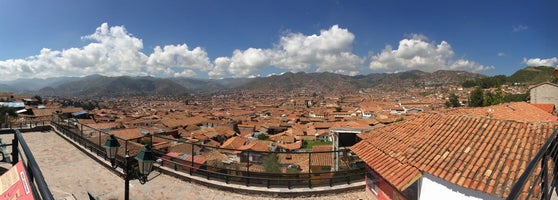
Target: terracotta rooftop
(100, 126)
(127, 134)
(509, 111)
(549, 108)
(479, 153)
(234, 143)
(322, 155)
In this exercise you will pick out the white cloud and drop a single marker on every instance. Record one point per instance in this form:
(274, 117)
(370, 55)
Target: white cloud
(185, 73)
(178, 56)
(501, 54)
(113, 52)
(540, 62)
(328, 51)
(417, 52)
(517, 28)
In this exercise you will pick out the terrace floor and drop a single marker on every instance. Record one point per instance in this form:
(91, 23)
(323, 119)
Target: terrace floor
(70, 174)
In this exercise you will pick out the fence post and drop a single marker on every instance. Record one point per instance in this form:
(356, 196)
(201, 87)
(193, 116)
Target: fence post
(15, 150)
(544, 177)
(248, 169)
(309, 169)
(192, 165)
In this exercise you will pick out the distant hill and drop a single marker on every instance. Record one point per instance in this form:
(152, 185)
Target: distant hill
(526, 76)
(321, 83)
(289, 82)
(116, 86)
(336, 83)
(210, 85)
(532, 75)
(26, 84)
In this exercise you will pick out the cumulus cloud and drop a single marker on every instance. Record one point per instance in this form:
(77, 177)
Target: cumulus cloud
(416, 52)
(178, 56)
(112, 52)
(329, 51)
(245, 63)
(540, 62)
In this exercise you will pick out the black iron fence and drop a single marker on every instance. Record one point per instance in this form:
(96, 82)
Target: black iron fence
(539, 179)
(247, 167)
(20, 150)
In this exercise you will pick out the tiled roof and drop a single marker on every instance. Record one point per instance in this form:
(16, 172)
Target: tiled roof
(100, 126)
(549, 108)
(478, 153)
(185, 148)
(127, 134)
(256, 145)
(44, 112)
(509, 111)
(291, 146)
(186, 157)
(321, 155)
(71, 109)
(298, 159)
(234, 143)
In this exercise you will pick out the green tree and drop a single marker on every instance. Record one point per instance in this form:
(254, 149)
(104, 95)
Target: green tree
(516, 97)
(453, 101)
(476, 99)
(271, 163)
(39, 99)
(488, 99)
(262, 136)
(498, 97)
(469, 84)
(5, 113)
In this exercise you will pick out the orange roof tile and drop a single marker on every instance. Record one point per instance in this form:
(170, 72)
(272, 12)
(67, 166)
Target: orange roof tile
(549, 108)
(127, 134)
(478, 153)
(509, 111)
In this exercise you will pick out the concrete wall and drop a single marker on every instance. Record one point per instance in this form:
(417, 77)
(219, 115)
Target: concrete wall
(436, 188)
(545, 93)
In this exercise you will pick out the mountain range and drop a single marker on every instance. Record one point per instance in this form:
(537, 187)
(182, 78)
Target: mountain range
(325, 82)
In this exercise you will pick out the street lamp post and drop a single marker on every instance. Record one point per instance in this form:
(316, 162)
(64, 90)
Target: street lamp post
(145, 160)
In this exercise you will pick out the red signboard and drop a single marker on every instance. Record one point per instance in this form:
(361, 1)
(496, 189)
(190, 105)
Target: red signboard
(14, 184)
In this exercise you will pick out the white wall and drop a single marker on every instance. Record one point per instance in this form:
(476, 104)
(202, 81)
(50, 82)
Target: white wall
(436, 188)
(545, 93)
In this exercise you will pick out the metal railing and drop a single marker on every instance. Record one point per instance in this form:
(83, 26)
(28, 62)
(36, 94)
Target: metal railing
(247, 170)
(20, 149)
(539, 179)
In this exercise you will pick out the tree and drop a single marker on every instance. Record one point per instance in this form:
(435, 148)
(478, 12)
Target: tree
(262, 136)
(476, 99)
(498, 97)
(488, 99)
(39, 99)
(6, 112)
(271, 163)
(453, 101)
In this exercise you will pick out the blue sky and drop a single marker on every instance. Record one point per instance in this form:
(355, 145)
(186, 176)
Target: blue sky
(219, 39)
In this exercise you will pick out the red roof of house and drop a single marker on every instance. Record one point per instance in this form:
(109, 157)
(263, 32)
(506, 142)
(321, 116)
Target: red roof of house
(549, 108)
(234, 143)
(479, 153)
(516, 111)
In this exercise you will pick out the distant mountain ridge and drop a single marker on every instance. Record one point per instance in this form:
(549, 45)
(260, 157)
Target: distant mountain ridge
(115, 86)
(301, 82)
